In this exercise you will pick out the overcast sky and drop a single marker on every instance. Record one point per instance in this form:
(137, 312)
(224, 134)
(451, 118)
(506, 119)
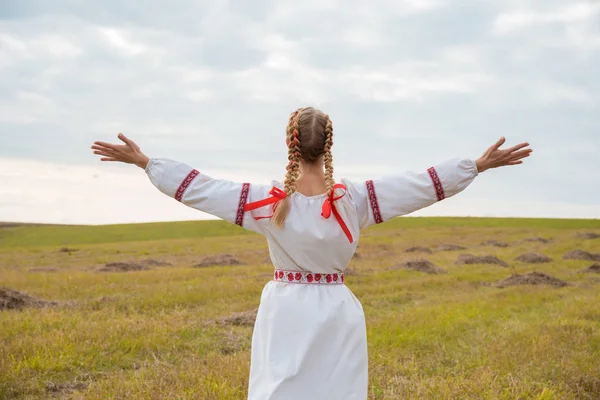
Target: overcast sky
(407, 83)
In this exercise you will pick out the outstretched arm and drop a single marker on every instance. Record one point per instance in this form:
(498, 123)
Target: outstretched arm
(400, 194)
(219, 197)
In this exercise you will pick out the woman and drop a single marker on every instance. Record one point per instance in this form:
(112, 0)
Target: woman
(309, 340)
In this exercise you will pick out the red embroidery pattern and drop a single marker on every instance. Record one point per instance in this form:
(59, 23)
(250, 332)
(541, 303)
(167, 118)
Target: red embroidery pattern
(308, 277)
(239, 218)
(185, 183)
(439, 190)
(374, 202)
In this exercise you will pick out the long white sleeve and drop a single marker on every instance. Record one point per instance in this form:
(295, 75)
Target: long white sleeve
(380, 200)
(221, 198)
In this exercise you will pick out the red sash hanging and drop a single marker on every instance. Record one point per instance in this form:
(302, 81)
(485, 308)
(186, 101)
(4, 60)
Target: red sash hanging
(328, 206)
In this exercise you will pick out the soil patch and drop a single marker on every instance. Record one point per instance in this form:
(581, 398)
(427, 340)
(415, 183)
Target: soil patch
(533, 258)
(42, 270)
(65, 387)
(588, 235)
(594, 269)
(464, 259)
(449, 247)
(532, 278)
(357, 256)
(15, 300)
(537, 239)
(245, 318)
(122, 267)
(218, 260)
(495, 243)
(67, 250)
(420, 265)
(155, 263)
(581, 255)
(350, 272)
(418, 249)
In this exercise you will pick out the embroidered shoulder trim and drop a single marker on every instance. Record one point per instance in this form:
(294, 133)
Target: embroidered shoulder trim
(439, 189)
(374, 202)
(308, 277)
(185, 183)
(239, 218)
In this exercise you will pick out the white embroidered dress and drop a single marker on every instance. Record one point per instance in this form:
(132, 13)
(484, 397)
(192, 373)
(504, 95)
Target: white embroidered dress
(309, 340)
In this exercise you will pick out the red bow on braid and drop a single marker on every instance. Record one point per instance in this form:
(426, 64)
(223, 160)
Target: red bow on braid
(276, 195)
(328, 206)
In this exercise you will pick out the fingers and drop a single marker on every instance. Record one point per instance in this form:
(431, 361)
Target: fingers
(105, 144)
(521, 154)
(128, 141)
(515, 162)
(499, 143)
(517, 147)
(108, 159)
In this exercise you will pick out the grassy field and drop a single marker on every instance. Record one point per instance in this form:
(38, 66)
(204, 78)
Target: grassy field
(155, 334)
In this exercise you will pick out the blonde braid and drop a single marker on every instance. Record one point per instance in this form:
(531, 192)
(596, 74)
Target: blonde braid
(327, 157)
(293, 169)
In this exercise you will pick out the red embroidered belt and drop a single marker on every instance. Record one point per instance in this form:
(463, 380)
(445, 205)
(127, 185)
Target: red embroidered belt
(308, 277)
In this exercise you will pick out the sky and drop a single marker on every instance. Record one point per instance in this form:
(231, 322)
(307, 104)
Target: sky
(407, 84)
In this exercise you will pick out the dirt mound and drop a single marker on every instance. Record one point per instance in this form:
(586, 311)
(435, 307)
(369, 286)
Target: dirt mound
(42, 270)
(537, 239)
(533, 258)
(245, 318)
(14, 300)
(532, 278)
(421, 265)
(67, 250)
(218, 260)
(495, 243)
(155, 263)
(594, 269)
(122, 267)
(66, 387)
(581, 255)
(588, 235)
(357, 256)
(450, 247)
(471, 259)
(418, 249)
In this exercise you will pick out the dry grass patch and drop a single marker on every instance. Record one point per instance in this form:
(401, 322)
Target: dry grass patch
(468, 259)
(15, 300)
(532, 278)
(450, 247)
(122, 267)
(418, 249)
(581, 255)
(420, 265)
(495, 243)
(219, 260)
(533, 258)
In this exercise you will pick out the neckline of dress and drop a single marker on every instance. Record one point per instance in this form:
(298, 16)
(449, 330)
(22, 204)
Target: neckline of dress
(316, 196)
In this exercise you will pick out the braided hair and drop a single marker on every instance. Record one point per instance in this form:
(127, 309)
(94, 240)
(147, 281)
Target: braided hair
(309, 136)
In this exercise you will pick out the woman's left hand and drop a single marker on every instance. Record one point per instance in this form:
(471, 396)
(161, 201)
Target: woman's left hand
(129, 153)
(495, 157)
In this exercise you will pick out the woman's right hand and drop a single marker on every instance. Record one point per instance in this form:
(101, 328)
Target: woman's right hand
(494, 157)
(129, 153)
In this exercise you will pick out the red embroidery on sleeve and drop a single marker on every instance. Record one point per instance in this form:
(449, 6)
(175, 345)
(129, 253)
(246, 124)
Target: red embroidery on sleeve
(439, 190)
(374, 202)
(185, 183)
(239, 218)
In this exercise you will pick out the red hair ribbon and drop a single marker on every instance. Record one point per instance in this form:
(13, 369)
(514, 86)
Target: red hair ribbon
(276, 196)
(329, 208)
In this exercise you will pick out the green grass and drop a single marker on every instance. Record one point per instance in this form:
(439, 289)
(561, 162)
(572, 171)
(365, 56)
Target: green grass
(152, 334)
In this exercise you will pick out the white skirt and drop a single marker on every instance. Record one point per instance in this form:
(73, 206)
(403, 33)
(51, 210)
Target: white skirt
(309, 342)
